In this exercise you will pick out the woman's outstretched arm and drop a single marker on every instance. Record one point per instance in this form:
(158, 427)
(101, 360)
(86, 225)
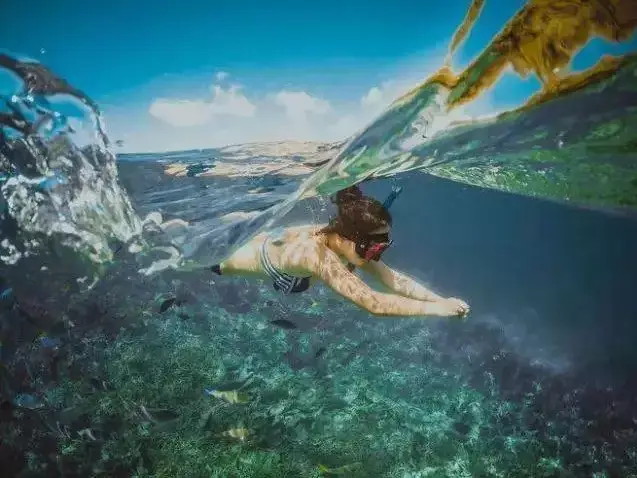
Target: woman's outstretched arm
(400, 283)
(324, 264)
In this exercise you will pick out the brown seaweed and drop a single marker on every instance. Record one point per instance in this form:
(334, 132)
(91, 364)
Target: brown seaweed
(541, 38)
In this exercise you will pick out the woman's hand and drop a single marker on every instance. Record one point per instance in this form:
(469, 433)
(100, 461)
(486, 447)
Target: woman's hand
(450, 307)
(457, 308)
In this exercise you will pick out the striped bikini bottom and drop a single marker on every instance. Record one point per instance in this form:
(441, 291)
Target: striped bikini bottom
(282, 281)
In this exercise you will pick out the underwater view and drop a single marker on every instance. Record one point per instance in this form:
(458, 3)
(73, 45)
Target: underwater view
(436, 279)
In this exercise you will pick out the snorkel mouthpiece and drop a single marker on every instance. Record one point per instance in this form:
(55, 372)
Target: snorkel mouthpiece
(374, 252)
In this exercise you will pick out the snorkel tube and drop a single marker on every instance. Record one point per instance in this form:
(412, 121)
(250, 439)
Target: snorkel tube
(395, 192)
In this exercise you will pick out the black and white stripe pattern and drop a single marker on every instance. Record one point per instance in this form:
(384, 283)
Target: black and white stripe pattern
(282, 281)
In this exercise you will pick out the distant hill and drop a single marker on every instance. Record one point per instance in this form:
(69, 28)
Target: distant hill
(310, 152)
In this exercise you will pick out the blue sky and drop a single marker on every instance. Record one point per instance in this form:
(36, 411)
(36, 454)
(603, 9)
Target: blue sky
(177, 75)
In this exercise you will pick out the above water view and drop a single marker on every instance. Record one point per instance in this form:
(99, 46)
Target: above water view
(344, 239)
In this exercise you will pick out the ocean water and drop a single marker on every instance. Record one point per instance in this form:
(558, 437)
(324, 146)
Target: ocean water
(105, 364)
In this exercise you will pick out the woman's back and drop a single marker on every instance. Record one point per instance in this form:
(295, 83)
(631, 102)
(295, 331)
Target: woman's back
(287, 249)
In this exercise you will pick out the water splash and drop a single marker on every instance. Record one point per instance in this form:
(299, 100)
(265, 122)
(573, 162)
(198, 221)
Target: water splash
(59, 180)
(546, 152)
(60, 187)
(579, 147)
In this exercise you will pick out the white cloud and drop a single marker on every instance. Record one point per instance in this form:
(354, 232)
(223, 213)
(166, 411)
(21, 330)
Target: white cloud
(182, 113)
(231, 102)
(380, 97)
(345, 124)
(373, 98)
(230, 116)
(187, 113)
(299, 105)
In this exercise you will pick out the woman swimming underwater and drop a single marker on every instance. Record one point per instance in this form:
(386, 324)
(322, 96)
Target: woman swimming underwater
(357, 236)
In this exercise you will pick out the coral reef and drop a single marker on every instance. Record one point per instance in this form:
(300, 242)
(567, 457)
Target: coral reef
(341, 393)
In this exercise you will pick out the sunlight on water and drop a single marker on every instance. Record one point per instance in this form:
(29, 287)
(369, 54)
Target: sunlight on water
(59, 179)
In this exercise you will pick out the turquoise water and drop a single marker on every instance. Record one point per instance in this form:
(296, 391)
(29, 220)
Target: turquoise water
(104, 374)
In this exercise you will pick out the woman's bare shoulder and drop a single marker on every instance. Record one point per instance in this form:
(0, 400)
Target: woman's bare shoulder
(299, 248)
(291, 234)
(304, 233)
(306, 228)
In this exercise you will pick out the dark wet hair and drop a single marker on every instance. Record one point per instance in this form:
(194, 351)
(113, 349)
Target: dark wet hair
(358, 215)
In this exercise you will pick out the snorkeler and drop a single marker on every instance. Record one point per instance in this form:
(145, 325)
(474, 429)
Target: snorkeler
(355, 238)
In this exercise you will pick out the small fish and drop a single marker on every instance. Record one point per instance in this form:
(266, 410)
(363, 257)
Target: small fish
(87, 432)
(48, 342)
(284, 324)
(34, 313)
(53, 367)
(158, 415)
(6, 411)
(98, 384)
(354, 353)
(230, 396)
(167, 304)
(25, 400)
(240, 434)
(6, 293)
(71, 415)
(341, 470)
(49, 183)
(204, 421)
(163, 414)
(462, 428)
(320, 352)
